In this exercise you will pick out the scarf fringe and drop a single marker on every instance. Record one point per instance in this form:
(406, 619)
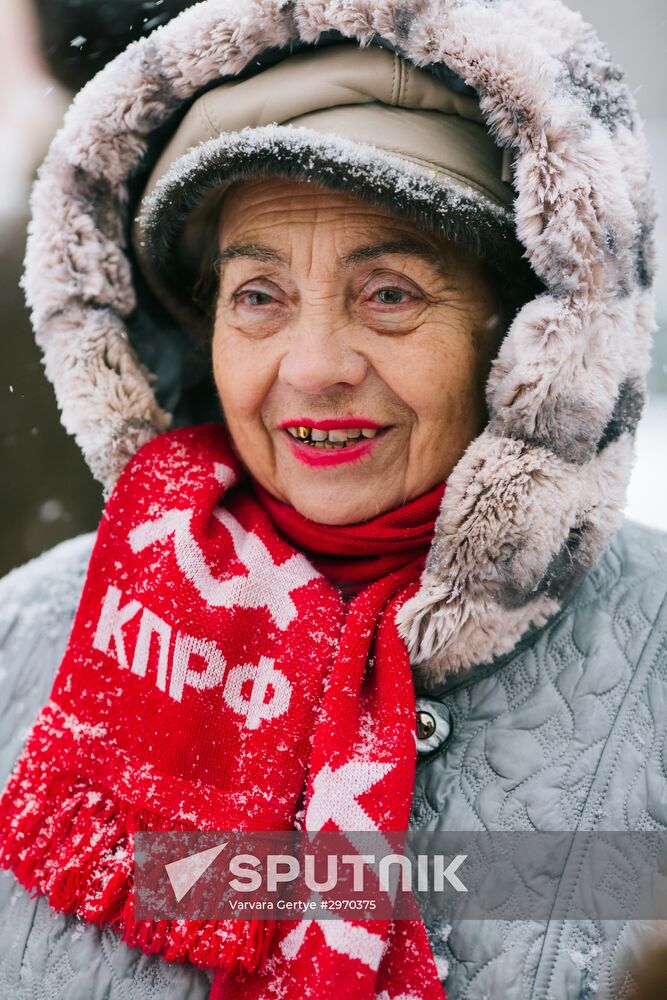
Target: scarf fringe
(69, 840)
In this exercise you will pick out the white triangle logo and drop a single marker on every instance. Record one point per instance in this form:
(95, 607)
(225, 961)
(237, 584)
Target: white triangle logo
(186, 871)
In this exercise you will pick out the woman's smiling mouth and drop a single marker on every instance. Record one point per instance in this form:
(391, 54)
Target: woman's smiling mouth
(331, 442)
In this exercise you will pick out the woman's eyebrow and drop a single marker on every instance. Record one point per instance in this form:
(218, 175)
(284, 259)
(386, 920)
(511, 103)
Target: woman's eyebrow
(255, 251)
(403, 245)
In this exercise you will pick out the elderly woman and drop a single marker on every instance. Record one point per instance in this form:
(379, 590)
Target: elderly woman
(348, 307)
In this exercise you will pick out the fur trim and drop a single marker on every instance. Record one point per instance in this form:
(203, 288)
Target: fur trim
(534, 500)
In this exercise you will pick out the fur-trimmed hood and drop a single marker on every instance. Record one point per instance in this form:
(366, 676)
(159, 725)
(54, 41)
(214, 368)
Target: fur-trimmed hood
(534, 500)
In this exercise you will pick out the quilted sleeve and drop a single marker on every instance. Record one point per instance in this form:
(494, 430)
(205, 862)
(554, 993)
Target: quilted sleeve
(37, 605)
(44, 954)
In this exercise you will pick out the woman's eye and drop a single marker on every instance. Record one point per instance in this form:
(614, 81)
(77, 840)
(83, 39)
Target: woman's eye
(392, 296)
(253, 298)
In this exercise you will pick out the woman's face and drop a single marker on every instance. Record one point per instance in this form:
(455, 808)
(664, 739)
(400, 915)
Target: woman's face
(350, 350)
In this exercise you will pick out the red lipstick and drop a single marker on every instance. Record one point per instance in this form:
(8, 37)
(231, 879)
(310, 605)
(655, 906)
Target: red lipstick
(336, 456)
(352, 451)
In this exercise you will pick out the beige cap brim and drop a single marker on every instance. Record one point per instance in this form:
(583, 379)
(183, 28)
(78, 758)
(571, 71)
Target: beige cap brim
(363, 101)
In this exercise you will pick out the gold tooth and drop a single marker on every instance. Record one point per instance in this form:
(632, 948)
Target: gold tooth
(303, 433)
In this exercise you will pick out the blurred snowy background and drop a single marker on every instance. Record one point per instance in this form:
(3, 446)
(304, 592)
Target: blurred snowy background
(48, 49)
(636, 34)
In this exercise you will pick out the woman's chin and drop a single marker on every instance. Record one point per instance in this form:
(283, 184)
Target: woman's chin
(336, 508)
(333, 491)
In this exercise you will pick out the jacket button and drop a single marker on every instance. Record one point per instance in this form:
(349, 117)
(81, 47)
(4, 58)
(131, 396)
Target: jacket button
(434, 726)
(425, 725)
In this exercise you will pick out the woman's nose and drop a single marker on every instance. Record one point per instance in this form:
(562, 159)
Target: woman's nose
(321, 354)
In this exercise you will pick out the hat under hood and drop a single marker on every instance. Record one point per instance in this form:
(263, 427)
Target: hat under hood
(355, 119)
(534, 500)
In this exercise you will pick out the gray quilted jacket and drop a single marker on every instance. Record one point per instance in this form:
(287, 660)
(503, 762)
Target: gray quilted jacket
(537, 635)
(567, 732)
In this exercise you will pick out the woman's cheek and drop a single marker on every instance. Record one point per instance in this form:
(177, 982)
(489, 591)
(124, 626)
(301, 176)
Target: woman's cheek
(440, 381)
(240, 390)
(427, 367)
(244, 374)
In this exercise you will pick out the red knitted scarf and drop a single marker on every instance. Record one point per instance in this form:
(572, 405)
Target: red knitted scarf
(201, 636)
(352, 556)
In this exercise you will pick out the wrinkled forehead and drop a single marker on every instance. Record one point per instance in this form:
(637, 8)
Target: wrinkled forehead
(280, 210)
(267, 220)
